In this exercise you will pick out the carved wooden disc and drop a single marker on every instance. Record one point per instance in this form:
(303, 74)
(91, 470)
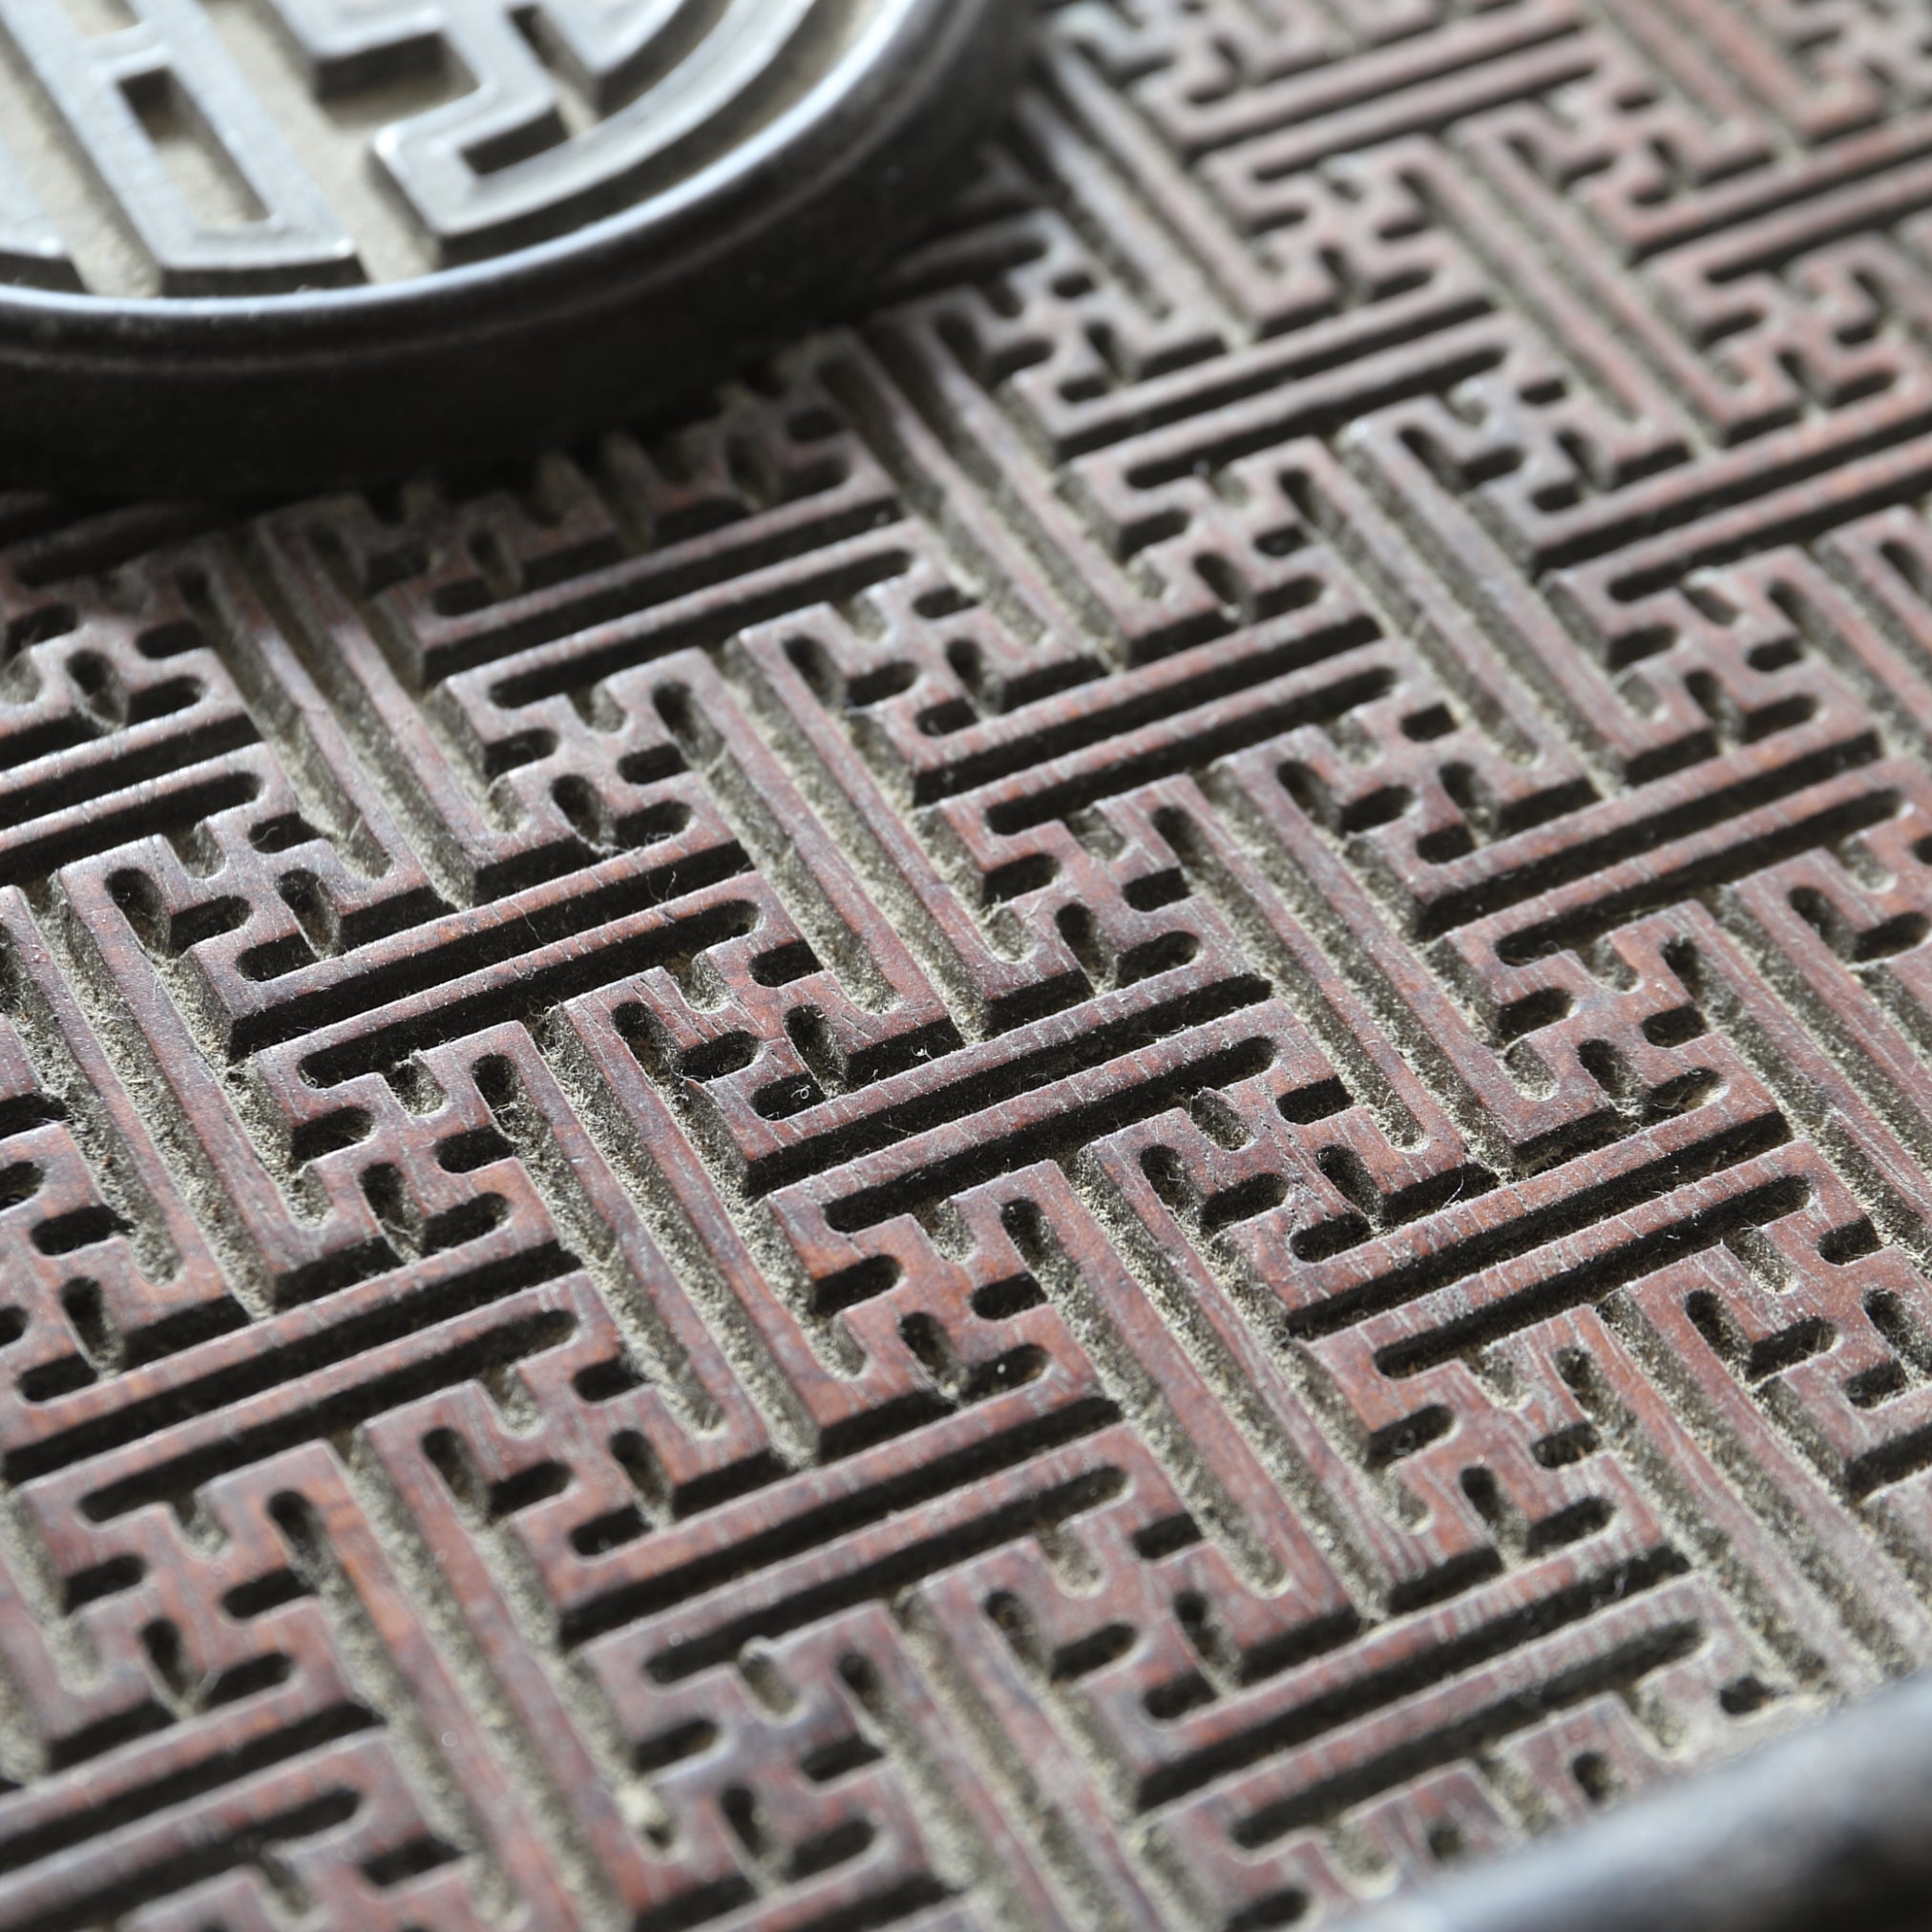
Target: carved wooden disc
(261, 243)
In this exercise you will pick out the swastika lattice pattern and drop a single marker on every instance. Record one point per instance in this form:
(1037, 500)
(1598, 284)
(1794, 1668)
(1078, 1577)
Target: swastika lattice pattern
(1116, 1115)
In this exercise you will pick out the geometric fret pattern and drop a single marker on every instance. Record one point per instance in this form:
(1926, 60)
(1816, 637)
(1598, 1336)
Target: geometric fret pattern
(1115, 1113)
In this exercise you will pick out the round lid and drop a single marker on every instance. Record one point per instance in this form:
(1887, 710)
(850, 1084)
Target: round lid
(252, 243)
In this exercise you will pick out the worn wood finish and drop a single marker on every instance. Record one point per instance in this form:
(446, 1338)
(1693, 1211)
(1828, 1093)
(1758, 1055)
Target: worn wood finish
(1114, 1116)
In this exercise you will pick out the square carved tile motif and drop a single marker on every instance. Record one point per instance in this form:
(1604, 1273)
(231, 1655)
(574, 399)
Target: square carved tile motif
(1114, 1114)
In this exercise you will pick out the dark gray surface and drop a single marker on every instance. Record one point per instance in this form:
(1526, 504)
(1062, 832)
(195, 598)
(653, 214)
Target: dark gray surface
(1829, 1828)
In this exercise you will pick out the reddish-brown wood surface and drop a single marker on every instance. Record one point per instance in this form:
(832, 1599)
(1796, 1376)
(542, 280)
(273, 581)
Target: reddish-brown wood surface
(1115, 1116)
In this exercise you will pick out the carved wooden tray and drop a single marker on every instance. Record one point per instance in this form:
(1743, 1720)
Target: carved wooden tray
(1112, 1112)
